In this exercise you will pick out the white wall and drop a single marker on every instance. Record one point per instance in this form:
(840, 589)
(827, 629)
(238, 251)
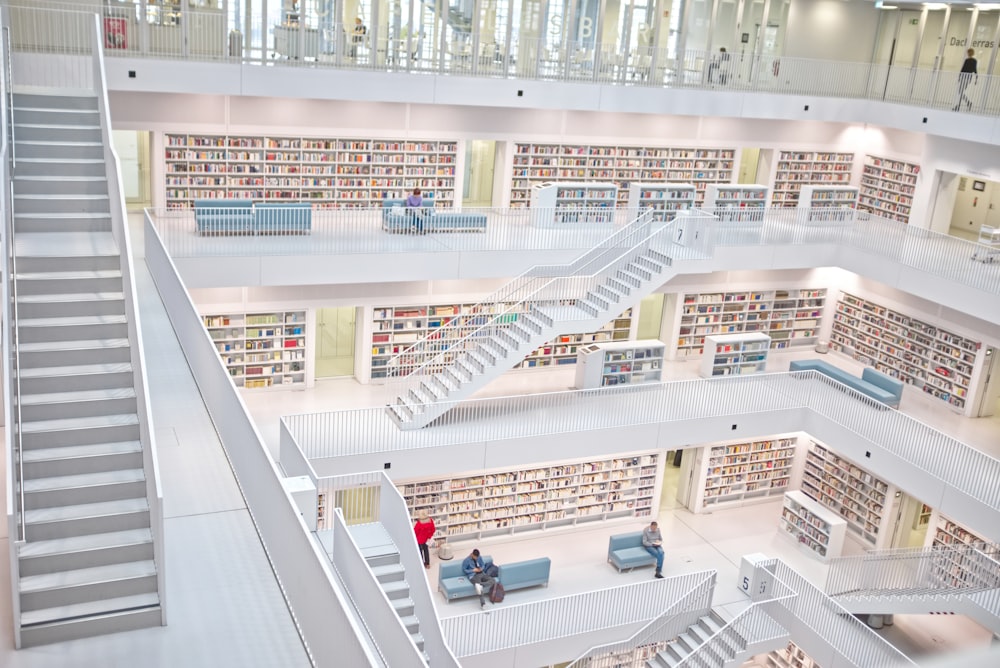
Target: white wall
(831, 30)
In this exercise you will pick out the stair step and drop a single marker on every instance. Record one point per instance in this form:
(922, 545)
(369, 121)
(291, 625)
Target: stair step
(388, 572)
(79, 404)
(48, 548)
(84, 488)
(64, 588)
(396, 588)
(411, 623)
(83, 480)
(49, 581)
(77, 610)
(50, 371)
(41, 462)
(86, 518)
(82, 395)
(402, 606)
(89, 422)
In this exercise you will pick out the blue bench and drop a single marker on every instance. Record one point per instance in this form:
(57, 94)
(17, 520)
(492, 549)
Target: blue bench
(223, 216)
(518, 575)
(242, 216)
(625, 551)
(396, 218)
(873, 383)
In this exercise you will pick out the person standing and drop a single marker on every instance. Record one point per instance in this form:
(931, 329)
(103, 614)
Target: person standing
(970, 68)
(357, 36)
(652, 540)
(424, 531)
(475, 569)
(414, 203)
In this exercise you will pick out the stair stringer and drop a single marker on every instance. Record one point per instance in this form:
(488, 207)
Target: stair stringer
(975, 604)
(418, 414)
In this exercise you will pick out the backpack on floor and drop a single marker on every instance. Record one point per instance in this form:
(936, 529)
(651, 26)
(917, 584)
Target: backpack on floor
(496, 593)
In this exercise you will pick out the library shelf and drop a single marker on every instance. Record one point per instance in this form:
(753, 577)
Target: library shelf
(790, 317)
(801, 168)
(742, 472)
(535, 163)
(664, 199)
(957, 569)
(734, 354)
(732, 202)
(327, 171)
(573, 202)
(619, 363)
(261, 350)
(887, 187)
(790, 656)
(827, 203)
(938, 361)
(507, 501)
(396, 328)
(849, 490)
(816, 528)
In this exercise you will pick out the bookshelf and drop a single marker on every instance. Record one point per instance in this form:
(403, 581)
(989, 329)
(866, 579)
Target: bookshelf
(790, 317)
(261, 350)
(619, 363)
(938, 361)
(573, 202)
(665, 199)
(543, 162)
(395, 328)
(800, 168)
(790, 656)
(817, 529)
(734, 354)
(887, 187)
(742, 472)
(957, 569)
(827, 203)
(736, 202)
(850, 491)
(327, 171)
(508, 501)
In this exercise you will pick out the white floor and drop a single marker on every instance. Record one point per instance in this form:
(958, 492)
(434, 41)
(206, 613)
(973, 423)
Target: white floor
(224, 605)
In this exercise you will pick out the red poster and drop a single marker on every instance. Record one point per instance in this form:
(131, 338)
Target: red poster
(115, 36)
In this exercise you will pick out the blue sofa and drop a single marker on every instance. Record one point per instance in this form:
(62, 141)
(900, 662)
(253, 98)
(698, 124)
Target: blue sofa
(242, 216)
(873, 383)
(395, 218)
(223, 216)
(518, 575)
(625, 551)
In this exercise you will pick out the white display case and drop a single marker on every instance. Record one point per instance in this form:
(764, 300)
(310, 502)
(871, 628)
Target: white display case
(567, 202)
(815, 527)
(734, 354)
(664, 199)
(827, 203)
(619, 363)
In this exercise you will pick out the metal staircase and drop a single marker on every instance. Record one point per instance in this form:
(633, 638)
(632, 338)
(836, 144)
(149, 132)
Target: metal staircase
(711, 642)
(472, 349)
(391, 576)
(84, 545)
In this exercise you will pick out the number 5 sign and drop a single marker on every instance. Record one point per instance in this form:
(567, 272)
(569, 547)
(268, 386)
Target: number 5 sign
(753, 581)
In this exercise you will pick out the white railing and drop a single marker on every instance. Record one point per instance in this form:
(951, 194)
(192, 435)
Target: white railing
(575, 615)
(754, 628)
(317, 41)
(53, 48)
(914, 572)
(670, 623)
(119, 229)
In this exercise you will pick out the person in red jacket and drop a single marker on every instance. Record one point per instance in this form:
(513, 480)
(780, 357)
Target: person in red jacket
(424, 530)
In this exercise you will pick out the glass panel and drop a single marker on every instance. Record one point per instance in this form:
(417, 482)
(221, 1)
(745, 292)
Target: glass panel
(356, 20)
(929, 45)
(696, 41)
(956, 40)
(530, 39)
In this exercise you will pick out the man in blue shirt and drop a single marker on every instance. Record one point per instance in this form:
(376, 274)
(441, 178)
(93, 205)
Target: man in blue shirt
(475, 569)
(652, 540)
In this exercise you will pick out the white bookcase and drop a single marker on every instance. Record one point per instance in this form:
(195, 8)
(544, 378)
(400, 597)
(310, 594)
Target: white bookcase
(262, 349)
(736, 202)
(734, 354)
(934, 359)
(862, 499)
(816, 528)
(327, 171)
(957, 570)
(542, 163)
(790, 656)
(573, 202)
(800, 168)
(887, 187)
(738, 473)
(665, 199)
(619, 363)
(827, 203)
(790, 317)
(506, 501)
(396, 328)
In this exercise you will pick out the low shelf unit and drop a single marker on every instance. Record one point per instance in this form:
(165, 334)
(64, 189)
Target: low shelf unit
(734, 354)
(887, 187)
(796, 169)
(732, 202)
(827, 203)
(742, 472)
(791, 656)
(664, 199)
(568, 202)
(508, 501)
(862, 499)
(619, 363)
(938, 361)
(816, 528)
(262, 349)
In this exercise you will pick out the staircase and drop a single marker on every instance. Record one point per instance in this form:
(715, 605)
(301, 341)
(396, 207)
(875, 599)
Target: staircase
(86, 565)
(712, 643)
(458, 359)
(391, 576)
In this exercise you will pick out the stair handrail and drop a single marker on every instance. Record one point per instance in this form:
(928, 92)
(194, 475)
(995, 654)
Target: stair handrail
(921, 571)
(753, 625)
(665, 626)
(551, 290)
